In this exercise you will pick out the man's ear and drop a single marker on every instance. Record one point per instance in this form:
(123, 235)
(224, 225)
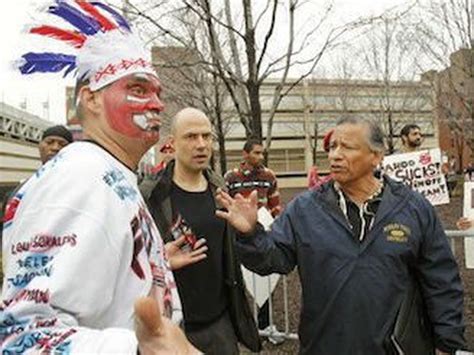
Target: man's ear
(90, 100)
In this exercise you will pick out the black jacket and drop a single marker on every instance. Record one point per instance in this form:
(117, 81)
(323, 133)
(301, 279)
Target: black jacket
(156, 192)
(352, 291)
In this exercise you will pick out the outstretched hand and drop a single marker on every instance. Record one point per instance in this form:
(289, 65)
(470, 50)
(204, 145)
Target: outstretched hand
(241, 212)
(156, 334)
(464, 223)
(179, 257)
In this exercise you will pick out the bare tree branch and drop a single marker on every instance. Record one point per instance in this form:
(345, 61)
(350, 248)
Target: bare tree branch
(269, 34)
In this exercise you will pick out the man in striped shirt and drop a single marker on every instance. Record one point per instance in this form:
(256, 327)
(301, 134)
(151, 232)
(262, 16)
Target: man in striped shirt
(253, 175)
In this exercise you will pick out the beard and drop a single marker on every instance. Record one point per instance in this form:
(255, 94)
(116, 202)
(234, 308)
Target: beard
(414, 144)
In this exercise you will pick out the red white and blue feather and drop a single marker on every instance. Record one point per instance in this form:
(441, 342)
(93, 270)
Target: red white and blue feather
(105, 45)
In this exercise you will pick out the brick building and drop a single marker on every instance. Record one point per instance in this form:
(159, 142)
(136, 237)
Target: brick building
(454, 91)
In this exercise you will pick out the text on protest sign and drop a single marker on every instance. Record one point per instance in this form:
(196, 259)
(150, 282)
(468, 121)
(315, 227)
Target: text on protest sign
(420, 170)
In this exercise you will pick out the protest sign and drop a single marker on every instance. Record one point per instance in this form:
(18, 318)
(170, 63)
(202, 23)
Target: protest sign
(260, 287)
(469, 213)
(420, 170)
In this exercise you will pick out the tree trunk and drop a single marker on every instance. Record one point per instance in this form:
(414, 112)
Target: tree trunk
(390, 133)
(255, 110)
(252, 83)
(220, 132)
(315, 144)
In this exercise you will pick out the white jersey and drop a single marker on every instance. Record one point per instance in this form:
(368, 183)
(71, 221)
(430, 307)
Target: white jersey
(79, 247)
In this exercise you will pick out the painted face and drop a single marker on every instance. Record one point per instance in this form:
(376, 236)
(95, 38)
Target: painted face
(132, 106)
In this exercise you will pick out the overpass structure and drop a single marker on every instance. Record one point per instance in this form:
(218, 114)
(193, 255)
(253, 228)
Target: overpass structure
(20, 133)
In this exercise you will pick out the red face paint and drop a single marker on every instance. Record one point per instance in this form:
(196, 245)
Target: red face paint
(132, 106)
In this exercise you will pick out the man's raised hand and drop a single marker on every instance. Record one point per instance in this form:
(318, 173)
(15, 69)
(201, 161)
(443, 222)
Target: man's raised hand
(240, 212)
(179, 258)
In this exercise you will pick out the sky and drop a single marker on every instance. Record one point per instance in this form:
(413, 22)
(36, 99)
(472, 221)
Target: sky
(44, 95)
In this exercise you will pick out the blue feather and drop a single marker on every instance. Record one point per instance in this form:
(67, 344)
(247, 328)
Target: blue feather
(47, 63)
(84, 23)
(121, 21)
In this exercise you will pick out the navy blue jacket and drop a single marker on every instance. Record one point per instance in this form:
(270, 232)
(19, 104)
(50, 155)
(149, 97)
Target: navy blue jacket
(351, 290)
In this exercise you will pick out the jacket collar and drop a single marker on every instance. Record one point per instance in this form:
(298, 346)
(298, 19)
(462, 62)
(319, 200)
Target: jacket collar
(394, 197)
(329, 199)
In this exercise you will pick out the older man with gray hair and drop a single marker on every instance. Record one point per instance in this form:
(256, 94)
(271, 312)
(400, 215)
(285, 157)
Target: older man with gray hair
(358, 242)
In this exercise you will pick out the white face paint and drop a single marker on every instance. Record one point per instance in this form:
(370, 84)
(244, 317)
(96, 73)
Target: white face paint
(145, 121)
(140, 121)
(137, 99)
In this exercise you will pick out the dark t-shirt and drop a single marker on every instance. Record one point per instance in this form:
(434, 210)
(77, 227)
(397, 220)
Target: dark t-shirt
(361, 219)
(200, 285)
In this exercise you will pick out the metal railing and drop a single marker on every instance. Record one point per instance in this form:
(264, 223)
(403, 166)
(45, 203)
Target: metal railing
(277, 336)
(18, 124)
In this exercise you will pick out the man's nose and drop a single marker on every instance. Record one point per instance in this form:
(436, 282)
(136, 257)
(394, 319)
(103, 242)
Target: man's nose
(201, 141)
(55, 146)
(334, 153)
(155, 104)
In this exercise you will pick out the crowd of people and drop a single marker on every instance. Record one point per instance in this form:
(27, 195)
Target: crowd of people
(96, 262)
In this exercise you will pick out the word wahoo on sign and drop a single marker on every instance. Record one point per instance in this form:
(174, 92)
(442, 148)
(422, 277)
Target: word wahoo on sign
(420, 170)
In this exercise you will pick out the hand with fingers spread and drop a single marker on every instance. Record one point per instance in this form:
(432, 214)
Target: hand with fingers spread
(241, 212)
(179, 257)
(156, 334)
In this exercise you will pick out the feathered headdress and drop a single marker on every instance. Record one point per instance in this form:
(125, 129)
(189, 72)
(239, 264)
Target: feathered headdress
(106, 47)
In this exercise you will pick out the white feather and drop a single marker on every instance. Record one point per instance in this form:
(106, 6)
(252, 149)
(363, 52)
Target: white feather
(110, 48)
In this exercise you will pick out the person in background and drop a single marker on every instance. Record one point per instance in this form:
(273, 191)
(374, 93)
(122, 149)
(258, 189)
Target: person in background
(411, 137)
(250, 176)
(167, 154)
(53, 140)
(314, 180)
(253, 175)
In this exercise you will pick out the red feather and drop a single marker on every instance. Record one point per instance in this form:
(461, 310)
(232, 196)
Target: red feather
(104, 22)
(74, 38)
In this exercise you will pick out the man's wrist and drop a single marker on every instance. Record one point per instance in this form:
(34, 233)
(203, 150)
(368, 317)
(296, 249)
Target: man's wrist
(251, 233)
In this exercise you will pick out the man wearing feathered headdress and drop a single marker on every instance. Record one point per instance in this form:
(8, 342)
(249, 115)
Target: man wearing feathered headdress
(83, 257)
